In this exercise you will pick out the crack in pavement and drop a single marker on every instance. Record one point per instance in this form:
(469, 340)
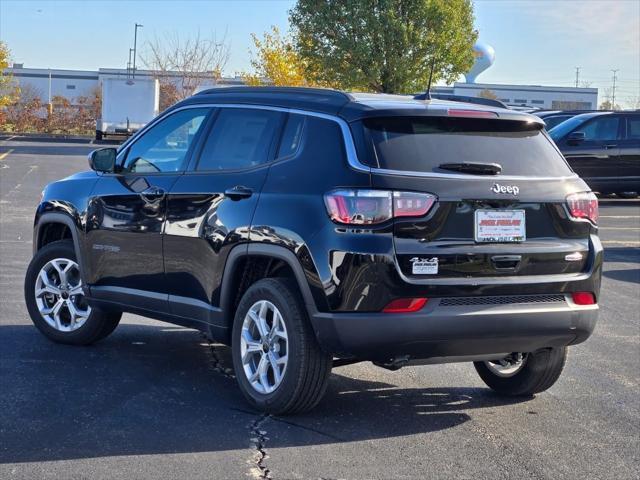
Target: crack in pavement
(257, 436)
(258, 441)
(216, 363)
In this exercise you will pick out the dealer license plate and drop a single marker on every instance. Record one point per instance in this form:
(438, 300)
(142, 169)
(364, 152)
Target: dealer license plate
(500, 226)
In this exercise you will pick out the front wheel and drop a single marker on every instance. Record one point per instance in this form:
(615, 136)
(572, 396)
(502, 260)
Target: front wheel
(524, 374)
(56, 302)
(279, 365)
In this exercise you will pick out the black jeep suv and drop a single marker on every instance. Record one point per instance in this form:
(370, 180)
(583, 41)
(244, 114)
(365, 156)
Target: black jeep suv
(311, 228)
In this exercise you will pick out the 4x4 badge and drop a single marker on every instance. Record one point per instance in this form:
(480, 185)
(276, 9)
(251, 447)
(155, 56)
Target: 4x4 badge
(512, 189)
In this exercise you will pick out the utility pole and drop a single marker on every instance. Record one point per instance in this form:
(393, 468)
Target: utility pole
(577, 75)
(613, 89)
(135, 47)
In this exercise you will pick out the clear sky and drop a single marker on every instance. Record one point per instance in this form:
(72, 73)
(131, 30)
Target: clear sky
(536, 42)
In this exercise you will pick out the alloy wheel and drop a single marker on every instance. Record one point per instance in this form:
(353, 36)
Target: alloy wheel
(508, 366)
(264, 347)
(59, 296)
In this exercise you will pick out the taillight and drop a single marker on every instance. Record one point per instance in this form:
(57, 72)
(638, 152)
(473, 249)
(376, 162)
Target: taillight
(405, 305)
(583, 205)
(583, 298)
(369, 207)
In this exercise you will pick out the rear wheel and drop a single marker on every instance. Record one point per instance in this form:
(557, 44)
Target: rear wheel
(279, 365)
(56, 302)
(523, 374)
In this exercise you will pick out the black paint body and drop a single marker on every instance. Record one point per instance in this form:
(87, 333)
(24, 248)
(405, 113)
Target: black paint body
(175, 254)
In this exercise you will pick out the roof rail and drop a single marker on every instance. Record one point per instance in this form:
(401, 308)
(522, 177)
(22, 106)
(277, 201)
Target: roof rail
(315, 99)
(307, 91)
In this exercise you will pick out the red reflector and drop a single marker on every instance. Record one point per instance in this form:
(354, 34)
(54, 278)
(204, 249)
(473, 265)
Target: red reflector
(405, 305)
(583, 298)
(453, 112)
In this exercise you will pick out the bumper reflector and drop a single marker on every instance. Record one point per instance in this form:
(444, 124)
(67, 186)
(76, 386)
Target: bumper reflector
(405, 305)
(583, 298)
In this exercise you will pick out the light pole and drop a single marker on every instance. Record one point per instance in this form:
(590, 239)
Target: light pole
(135, 47)
(129, 64)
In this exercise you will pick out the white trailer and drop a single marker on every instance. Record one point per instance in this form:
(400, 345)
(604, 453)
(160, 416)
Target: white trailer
(127, 105)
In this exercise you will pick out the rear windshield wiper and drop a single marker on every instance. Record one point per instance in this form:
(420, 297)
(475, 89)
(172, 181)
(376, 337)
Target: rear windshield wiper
(470, 167)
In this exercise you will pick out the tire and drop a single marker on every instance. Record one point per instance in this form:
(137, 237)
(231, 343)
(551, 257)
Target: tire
(85, 329)
(540, 371)
(306, 371)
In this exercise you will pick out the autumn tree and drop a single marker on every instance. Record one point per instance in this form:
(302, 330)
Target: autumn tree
(276, 60)
(186, 63)
(384, 45)
(8, 89)
(486, 93)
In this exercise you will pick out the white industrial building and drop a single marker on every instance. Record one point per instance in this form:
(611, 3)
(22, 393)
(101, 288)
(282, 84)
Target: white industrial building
(71, 84)
(535, 96)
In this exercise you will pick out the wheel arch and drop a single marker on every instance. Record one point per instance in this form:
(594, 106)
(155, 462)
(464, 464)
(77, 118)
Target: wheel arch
(45, 221)
(234, 264)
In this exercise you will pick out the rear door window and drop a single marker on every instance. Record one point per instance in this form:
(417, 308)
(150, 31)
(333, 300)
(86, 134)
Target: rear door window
(240, 138)
(421, 144)
(633, 128)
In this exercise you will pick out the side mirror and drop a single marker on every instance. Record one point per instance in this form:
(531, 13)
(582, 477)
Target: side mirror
(103, 160)
(575, 138)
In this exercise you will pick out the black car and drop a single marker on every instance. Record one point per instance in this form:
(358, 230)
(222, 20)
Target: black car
(311, 228)
(604, 149)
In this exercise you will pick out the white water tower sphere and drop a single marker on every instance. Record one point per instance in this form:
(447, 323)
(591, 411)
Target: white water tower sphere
(485, 56)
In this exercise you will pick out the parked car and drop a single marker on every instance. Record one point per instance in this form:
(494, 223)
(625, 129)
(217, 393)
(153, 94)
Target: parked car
(311, 228)
(604, 149)
(555, 117)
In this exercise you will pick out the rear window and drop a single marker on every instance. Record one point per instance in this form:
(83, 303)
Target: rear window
(421, 144)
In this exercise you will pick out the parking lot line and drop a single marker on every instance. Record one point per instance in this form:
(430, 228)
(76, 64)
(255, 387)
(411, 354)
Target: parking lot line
(4, 155)
(619, 216)
(619, 228)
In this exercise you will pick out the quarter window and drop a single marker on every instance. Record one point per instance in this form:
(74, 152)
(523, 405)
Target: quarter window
(240, 138)
(164, 146)
(292, 136)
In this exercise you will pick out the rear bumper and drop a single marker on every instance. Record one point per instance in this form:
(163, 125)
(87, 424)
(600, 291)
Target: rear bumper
(447, 331)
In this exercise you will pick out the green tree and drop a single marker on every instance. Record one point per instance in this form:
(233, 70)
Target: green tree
(384, 45)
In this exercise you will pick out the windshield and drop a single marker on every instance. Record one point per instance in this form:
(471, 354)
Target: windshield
(425, 144)
(561, 130)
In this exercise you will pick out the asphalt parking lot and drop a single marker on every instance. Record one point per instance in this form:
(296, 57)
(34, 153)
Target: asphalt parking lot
(158, 401)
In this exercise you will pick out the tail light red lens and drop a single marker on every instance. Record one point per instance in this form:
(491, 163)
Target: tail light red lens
(370, 207)
(583, 298)
(405, 305)
(583, 205)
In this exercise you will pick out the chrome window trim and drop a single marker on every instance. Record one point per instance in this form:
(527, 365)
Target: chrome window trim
(352, 156)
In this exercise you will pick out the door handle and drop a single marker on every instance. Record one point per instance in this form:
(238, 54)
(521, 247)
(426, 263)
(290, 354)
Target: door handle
(610, 146)
(238, 192)
(152, 194)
